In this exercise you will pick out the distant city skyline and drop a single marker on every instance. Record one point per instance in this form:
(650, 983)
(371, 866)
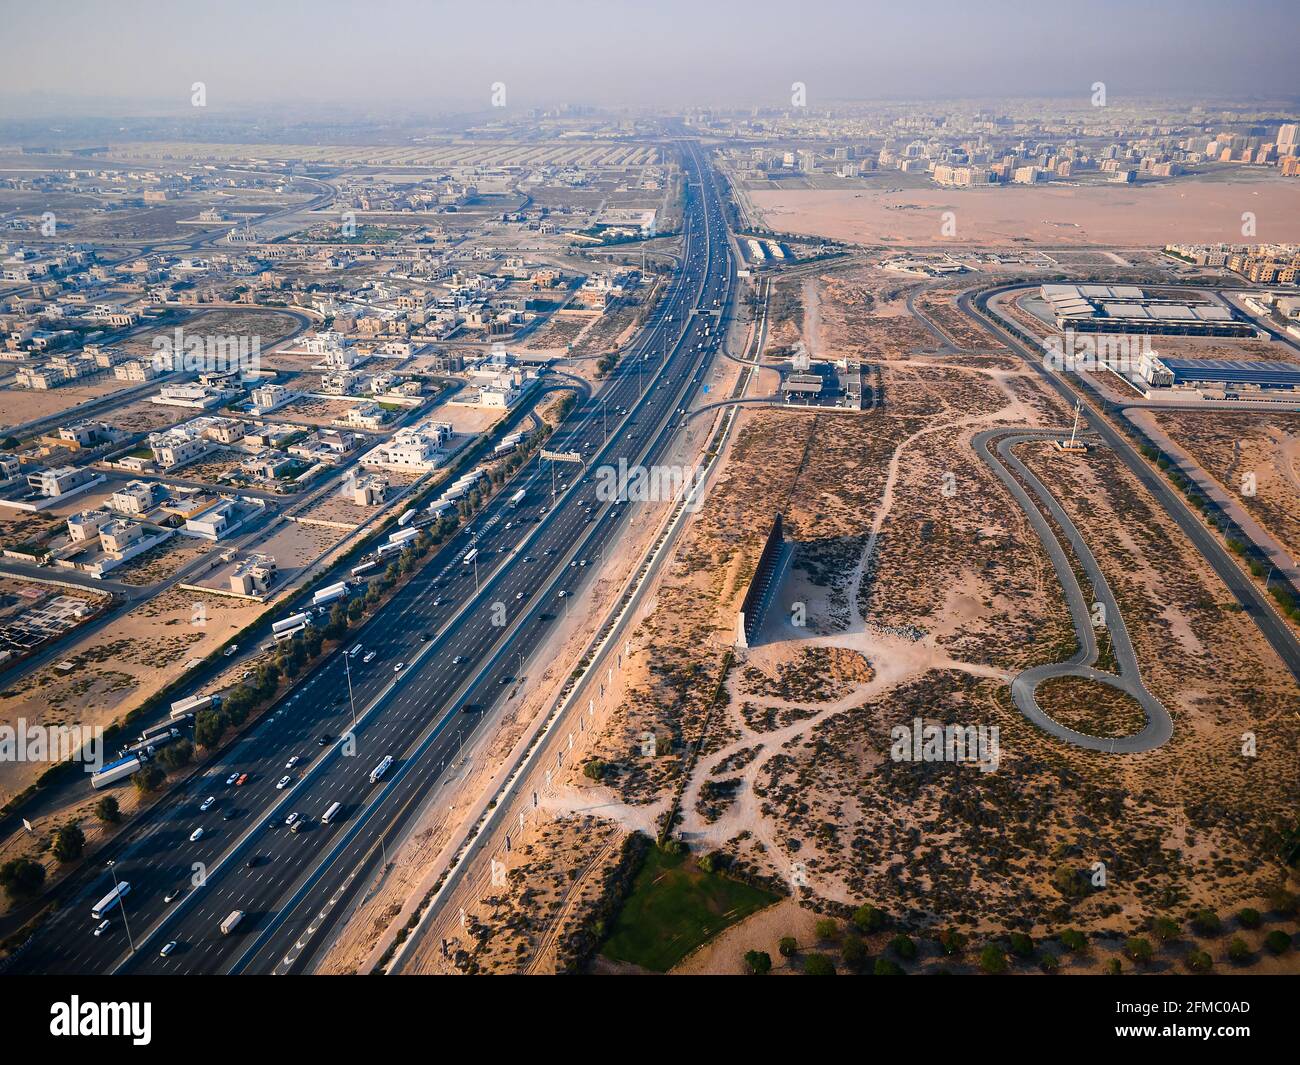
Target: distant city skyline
(412, 57)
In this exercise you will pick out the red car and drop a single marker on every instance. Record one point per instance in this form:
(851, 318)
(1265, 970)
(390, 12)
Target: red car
(242, 777)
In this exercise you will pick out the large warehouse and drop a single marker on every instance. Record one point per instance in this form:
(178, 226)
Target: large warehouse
(1227, 375)
(1128, 309)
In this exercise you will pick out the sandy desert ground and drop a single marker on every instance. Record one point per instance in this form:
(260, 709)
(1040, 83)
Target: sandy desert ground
(1124, 216)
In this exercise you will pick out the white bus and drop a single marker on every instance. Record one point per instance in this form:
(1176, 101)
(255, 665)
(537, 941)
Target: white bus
(108, 901)
(378, 772)
(470, 556)
(331, 813)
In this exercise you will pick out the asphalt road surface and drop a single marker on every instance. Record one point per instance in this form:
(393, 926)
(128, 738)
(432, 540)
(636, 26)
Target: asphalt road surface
(454, 640)
(1159, 726)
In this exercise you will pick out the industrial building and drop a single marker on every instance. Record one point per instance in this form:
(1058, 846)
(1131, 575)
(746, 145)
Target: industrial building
(1128, 309)
(1228, 376)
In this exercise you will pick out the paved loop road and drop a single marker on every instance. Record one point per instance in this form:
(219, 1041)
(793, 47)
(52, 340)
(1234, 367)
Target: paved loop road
(1159, 726)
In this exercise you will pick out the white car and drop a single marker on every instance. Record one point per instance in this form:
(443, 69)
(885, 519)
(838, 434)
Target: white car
(171, 894)
(288, 821)
(283, 782)
(291, 762)
(231, 779)
(101, 928)
(399, 667)
(519, 596)
(196, 835)
(167, 948)
(206, 804)
(369, 658)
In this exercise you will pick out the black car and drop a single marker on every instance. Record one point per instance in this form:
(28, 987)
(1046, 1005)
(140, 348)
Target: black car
(324, 740)
(230, 815)
(426, 636)
(253, 861)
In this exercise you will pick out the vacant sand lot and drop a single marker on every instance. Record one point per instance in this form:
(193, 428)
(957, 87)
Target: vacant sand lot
(1125, 216)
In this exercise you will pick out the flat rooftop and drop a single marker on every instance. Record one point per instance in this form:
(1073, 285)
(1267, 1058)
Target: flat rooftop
(1234, 371)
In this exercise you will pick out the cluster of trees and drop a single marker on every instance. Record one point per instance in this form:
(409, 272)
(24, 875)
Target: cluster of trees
(1281, 591)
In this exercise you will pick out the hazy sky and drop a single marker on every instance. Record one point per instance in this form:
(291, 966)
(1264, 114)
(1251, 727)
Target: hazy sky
(430, 56)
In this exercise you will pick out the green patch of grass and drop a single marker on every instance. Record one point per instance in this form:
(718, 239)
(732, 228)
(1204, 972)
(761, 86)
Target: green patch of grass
(673, 907)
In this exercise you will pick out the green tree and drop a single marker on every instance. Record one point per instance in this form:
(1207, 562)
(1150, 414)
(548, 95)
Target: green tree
(758, 962)
(22, 878)
(108, 811)
(1248, 918)
(818, 965)
(1277, 942)
(1165, 929)
(594, 769)
(1198, 961)
(1073, 940)
(854, 952)
(69, 843)
(787, 946)
(1049, 963)
(1114, 968)
(1282, 901)
(868, 918)
(993, 959)
(1070, 882)
(1022, 946)
(312, 639)
(1206, 922)
(826, 929)
(148, 778)
(337, 626)
(1139, 949)
(888, 967)
(1238, 951)
(903, 946)
(951, 941)
(175, 755)
(209, 727)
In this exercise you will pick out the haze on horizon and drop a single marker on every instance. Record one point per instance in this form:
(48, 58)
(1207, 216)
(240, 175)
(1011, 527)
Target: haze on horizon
(82, 57)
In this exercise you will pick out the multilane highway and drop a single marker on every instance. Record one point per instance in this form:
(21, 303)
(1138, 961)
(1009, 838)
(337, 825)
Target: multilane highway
(461, 634)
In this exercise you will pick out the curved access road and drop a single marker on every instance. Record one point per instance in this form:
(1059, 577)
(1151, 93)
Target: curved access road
(1159, 726)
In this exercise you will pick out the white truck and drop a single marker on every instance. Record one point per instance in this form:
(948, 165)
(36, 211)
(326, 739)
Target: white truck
(328, 595)
(115, 771)
(231, 922)
(293, 622)
(378, 772)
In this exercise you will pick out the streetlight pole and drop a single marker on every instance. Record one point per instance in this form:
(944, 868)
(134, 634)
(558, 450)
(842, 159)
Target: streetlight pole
(352, 705)
(122, 905)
